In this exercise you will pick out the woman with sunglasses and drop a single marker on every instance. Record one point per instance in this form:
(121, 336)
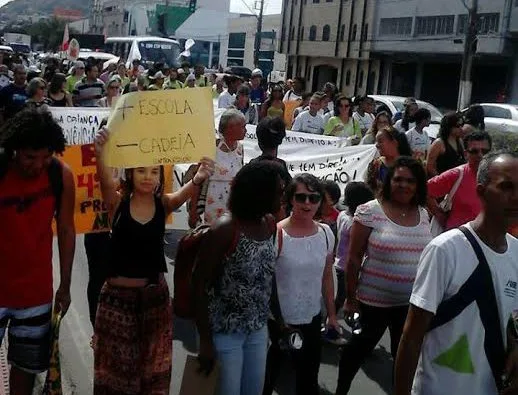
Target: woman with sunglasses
(273, 106)
(37, 93)
(113, 91)
(343, 124)
(386, 241)
(447, 151)
(304, 274)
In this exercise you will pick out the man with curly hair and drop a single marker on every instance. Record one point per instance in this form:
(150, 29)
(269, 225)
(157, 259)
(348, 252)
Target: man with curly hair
(34, 187)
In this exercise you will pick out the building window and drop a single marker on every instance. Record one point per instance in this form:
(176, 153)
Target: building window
(316, 1)
(348, 78)
(292, 33)
(236, 40)
(326, 32)
(365, 32)
(395, 27)
(236, 53)
(312, 33)
(302, 33)
(487, 23)
(353, 35)
(342, 32)
(360, 79)
(329, 1)
(434, 25)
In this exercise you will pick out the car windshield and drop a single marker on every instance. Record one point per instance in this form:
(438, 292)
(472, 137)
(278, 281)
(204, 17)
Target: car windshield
(21, 48)
(159, 51)
(436, 114)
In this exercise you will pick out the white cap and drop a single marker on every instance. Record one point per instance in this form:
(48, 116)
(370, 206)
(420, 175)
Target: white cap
(79, 64)
(257, 73)
(159, 75)
(180, 71)
(191, 77)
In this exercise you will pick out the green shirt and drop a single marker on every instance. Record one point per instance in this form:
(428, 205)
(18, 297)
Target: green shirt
(351, 129)
(71, 83)
(173, 85)
(201, 81)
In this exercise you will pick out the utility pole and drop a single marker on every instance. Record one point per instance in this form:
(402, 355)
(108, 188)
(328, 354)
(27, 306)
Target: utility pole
(470, 48)
(259, 33)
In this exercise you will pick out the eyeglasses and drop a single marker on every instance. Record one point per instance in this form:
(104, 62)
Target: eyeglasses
(313, 198)
(476, 151)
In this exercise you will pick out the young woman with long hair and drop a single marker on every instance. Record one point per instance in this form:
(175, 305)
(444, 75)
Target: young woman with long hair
(133, 327)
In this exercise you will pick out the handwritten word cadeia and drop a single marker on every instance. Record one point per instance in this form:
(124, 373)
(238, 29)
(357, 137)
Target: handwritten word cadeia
(176, 143)
(164, 106)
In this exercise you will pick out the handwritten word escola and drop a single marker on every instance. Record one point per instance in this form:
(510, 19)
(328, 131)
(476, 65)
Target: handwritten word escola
(164, 106)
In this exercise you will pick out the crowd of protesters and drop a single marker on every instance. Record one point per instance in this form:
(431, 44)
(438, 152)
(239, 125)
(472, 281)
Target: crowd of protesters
(447, 295)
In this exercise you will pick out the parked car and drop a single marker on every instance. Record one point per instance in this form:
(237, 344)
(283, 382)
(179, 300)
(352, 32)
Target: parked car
(500, 117)
(394, 104)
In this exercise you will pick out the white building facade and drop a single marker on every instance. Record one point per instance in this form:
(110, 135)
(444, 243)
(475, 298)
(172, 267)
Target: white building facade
(238, 46)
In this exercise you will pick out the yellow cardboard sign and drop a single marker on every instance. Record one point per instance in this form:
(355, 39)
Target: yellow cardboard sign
(161, 127)
(289, 109)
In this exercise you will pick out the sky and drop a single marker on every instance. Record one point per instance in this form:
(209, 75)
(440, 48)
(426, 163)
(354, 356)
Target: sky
(271, 6)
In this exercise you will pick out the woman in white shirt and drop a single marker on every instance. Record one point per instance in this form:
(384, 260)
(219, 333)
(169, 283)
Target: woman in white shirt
(303, 276)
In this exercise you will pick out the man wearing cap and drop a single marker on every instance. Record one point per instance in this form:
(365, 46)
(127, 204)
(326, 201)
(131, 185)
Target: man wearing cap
(14, 95)
(199, 74)
(257, 92)
(158, 82)
(172, 82)
(190, 81)
(78, 72)
(228, 96)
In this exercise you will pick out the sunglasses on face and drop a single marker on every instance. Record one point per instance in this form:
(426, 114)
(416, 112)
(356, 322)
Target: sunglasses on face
(313, 198)
(476, 151)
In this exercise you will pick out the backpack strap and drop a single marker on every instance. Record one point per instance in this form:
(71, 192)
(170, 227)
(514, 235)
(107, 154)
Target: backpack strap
(489, 314)
(55, 171)
(478, 288)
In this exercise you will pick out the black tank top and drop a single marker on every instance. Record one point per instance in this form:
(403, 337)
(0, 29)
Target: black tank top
(137, 250)
(58, 103)
(450, 158)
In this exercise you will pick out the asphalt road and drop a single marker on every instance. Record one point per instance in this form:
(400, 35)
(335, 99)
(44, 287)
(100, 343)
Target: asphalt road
(77, 356)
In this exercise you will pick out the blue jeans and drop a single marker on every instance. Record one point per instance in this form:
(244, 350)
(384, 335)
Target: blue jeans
(242, 358)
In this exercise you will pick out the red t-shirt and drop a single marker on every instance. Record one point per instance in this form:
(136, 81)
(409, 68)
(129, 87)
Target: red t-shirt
(26, 212)
(465, 205)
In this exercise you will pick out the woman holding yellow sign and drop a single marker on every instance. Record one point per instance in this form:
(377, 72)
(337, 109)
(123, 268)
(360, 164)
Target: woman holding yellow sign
(133, 327)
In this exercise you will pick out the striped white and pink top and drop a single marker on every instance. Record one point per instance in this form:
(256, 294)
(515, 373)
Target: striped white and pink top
(393, 252)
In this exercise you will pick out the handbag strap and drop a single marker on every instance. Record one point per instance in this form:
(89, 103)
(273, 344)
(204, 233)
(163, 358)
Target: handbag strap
(457, 183)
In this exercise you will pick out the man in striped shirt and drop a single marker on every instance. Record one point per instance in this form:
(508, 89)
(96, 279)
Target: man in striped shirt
(90, 89)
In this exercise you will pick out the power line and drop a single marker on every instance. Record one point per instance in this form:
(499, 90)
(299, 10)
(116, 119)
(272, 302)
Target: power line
(248, 7)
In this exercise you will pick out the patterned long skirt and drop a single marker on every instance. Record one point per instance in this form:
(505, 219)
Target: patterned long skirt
(134, 341)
